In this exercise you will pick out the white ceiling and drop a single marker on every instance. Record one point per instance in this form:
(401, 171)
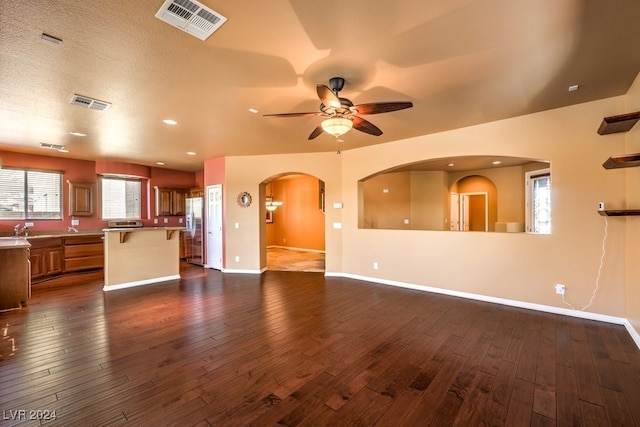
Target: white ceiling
(461, 62)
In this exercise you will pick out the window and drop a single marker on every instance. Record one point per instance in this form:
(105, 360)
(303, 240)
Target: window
(121, 198)
(539, 201)
(27, 194)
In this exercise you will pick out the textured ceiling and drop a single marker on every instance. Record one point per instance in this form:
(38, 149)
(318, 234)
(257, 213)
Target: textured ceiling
(461, 62)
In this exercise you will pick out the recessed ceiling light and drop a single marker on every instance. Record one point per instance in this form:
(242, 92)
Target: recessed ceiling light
(253, 110)
(77, 134)
(496, 162)
(63, 150)
(160, 163)
(170, 122)
(573, 88)
(191, 153)
(451, 165)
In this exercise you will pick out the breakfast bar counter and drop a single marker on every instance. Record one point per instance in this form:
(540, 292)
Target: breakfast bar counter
(140, 256)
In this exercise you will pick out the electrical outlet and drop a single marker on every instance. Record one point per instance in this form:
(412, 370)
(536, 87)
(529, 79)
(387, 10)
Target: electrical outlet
(375, 265)
(75, 222)
(237, 258)
(28, 224)
(560, 289)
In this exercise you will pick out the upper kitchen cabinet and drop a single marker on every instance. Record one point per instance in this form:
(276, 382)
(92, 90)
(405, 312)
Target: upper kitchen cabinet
(81, 198)
(170, 201)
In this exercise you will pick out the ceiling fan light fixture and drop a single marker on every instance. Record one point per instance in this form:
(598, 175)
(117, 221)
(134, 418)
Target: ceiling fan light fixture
(337, 126)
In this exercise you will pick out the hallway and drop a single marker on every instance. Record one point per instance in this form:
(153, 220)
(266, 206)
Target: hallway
(284, 259)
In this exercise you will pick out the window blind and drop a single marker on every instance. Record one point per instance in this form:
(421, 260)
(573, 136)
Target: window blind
(121, 198)
(27, 194)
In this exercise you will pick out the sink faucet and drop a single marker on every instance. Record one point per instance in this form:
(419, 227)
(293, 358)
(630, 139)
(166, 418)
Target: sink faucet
(17, 230)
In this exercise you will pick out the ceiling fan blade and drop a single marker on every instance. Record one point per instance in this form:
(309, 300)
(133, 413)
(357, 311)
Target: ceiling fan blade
(365, 126)
(382, 107)
(327, 96)
(291, 115)
(316, 132)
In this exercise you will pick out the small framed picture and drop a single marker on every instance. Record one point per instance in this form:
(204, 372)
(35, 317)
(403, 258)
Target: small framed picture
(269, 217)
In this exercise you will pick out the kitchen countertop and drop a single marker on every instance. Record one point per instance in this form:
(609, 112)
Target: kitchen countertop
(132, 229)
(53, 233)
(14, 243)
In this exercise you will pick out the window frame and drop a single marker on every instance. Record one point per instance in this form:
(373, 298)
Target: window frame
(59, 213)
(125, 178)
(530, 202)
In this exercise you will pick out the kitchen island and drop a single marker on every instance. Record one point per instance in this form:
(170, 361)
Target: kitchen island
(140, 256)
(15, 282)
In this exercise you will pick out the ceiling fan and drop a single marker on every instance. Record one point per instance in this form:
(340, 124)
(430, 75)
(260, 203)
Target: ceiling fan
(341, 114)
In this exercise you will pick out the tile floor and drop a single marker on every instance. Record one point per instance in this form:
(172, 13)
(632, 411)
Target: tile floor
(283, 259)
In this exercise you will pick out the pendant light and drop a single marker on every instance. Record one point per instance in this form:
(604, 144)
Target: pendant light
(271, 204)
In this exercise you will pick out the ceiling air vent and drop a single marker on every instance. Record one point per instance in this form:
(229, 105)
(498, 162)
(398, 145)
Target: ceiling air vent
(90, 103)
(51, 146)
(190, 16)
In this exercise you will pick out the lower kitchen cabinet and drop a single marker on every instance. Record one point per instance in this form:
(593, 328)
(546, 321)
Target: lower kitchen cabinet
(52, 256)
(83, 253)
(15, 286)
(46, 257)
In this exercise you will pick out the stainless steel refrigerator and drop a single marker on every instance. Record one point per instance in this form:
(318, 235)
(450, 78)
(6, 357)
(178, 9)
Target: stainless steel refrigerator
(194, 250)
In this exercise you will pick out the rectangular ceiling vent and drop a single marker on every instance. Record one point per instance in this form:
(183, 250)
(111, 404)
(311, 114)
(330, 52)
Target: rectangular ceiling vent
(51, 146)
(191, 17)
(90, 103)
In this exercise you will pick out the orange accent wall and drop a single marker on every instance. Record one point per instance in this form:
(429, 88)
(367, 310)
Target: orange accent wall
(299, 222)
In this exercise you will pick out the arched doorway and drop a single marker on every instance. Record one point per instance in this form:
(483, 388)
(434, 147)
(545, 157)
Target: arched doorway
(473, 204)
(294, 232)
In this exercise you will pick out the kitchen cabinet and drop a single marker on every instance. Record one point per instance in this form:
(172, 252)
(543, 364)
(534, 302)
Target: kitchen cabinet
(84, 252)
(183, 245)
(196, 192)
(81, 198)
(170, 201)
(15, 284)
(46, 257)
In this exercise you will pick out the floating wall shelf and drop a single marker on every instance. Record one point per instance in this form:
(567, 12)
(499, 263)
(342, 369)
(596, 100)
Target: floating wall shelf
(620, 212)
(622, 161)
(621, 123)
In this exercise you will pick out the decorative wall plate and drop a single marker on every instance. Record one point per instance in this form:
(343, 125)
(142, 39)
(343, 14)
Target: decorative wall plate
(244, 199)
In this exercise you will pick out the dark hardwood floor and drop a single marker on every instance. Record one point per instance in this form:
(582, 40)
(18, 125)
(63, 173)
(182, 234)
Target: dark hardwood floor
(295, 348)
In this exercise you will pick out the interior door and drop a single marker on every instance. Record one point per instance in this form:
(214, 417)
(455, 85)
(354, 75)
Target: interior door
(475, 211)
(214, 227)
(454, 220)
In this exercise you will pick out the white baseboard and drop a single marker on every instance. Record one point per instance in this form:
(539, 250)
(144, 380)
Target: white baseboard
(513, 303)
(140, 283)
(635, 336)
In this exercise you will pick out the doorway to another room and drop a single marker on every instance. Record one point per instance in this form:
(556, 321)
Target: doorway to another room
(294, 223)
